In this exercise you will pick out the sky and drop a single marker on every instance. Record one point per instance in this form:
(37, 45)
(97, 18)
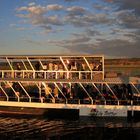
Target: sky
(41, 27)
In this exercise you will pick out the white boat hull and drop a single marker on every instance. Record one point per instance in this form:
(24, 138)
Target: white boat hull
(84, 110)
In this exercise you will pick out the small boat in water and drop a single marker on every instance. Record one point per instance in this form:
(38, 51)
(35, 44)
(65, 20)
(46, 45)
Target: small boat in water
(65, 85)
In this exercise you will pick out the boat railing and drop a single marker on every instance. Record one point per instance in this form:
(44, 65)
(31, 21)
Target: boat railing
(70, 101)
(60, 74)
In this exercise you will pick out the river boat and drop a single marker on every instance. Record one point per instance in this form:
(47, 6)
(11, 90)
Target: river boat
(65, 85)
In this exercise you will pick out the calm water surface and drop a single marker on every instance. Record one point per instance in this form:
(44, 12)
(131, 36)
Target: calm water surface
(57, 129)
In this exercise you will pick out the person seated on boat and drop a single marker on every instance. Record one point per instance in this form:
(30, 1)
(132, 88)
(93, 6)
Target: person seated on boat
(85, 68)
(61, 73)
(73, 91)
(50, 69)
(50, 66)
(37, 68)
(45, 67)
(91, 66)
(48, 91)
(73, 68)
(68, 95)
(18, 67)
(129, 91)
(55, 92)
(64, 89)
(98, 67)
(68, 64)
(55, 66)
(79, 66)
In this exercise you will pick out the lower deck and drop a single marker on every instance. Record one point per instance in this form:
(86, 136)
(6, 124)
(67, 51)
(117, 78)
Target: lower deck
(38, 109)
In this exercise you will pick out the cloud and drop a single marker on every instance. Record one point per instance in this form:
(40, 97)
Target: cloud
(70, 42)
(107, 29)
(76, 16)
(33, 42)
(34, 9)
(120, 47)
(50, 20)
(88, 20)
(128, 18)
(54, 7)
(129, 5)
(70, 0)
(75, 10)
(83, 43)
(47, 27)
(20, 29)
(91, 32)
(87, 33)
(54, 20)
(36, 14)
(31, 4)
(101, 7)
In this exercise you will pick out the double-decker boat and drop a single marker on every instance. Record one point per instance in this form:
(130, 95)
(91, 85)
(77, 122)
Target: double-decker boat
(65, 85)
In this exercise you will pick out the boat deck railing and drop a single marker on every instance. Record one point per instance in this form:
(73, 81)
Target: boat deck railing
(85, 92)
(52, 67)
(71, 101)
(60, 74)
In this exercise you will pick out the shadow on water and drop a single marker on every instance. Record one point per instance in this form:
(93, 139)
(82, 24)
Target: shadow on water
(23, 128)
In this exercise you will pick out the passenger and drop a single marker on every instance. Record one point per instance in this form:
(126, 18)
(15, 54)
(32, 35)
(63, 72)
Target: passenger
(55, 66)
(73, 68)
(91, 66)
(37, 68)
(130, 93)
(73, 92)
(68, 93)
(100, 67)
(48, 91)
(79, 66)
(64, 90)
(94, 66)
(68, 63)
(61, 74)
(51, 68)
(18, 67)
(85, 68)
(45, 67)
(55, 91)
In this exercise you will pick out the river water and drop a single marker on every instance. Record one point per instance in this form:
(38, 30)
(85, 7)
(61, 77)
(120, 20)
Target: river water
(57, 129)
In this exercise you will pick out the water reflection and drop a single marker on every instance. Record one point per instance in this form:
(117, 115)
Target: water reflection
(44, 129)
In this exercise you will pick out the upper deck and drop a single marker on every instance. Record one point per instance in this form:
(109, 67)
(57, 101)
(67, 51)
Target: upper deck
(50, 67)
(63, 79)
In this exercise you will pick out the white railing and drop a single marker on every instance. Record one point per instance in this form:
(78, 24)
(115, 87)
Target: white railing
(60, 74)
(71, 101)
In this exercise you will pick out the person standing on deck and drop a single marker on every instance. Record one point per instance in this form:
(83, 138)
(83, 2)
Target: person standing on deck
(37, 68)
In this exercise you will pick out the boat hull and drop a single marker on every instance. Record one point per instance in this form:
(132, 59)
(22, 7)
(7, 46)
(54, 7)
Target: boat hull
(48, 109)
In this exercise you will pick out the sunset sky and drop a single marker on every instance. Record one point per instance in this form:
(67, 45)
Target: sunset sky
(109, 27)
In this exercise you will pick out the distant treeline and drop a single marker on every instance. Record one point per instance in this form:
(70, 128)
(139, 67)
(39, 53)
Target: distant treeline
(123, 61)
